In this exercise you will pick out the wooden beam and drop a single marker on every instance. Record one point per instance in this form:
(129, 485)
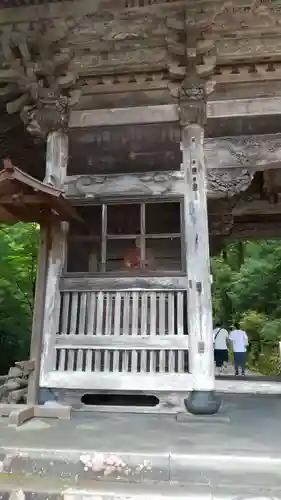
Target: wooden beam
(256, 207)
(258, 152)
(229, 108)
(124, 116)
(232, 108)
(255, 231)
(126, 382)
(220, 182)
(86, 283)
(30, 199)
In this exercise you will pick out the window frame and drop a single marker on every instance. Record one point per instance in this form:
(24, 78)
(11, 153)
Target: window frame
(105, 237)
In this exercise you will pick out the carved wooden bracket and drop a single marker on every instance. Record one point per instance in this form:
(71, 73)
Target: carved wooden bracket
(39, 73)
(191, 58)
(229, 181)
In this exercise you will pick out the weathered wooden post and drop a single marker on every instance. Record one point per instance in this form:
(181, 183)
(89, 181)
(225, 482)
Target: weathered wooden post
(50, 263)
(56, 166)
(56, 158)
(202, 399)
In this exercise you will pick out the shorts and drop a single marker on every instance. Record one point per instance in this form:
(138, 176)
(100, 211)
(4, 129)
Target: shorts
(221, 357)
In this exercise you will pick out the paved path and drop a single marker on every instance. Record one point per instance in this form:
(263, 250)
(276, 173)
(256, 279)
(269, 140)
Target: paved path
(229, 370)
(222, 456)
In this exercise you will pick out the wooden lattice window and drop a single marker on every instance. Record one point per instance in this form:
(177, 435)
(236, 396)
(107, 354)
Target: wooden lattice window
(135, 238)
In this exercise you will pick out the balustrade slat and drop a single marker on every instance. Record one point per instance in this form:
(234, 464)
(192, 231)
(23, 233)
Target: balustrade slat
(125, 361)
(153, 313)
(106, 361)
(135, 313)
(162, 361)
(82, 313)
(180, 326)
(171, 361)
(115, 361)
(181, 362)
(162, 314)
(126, 313)
(100, 313)
(65, 313)
(61, 360)
(97, 361)
(70, 360)
(108, 313)
(89, 360)
(143, 313)
(134, 363)
(79, 366)
(143, 362)
(117, 313)
(152, 362)
(171, 314)
(74, 313)
(91, 310)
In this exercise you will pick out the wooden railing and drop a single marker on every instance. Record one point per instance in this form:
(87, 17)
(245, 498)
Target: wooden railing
(140, 331)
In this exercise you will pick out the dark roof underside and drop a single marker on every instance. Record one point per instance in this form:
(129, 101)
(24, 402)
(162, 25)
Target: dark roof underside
(18, 145)
(23, 198)
(4, 4)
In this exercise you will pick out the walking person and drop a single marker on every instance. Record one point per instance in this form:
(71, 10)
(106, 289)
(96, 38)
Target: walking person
(239, 341)
(220, 348)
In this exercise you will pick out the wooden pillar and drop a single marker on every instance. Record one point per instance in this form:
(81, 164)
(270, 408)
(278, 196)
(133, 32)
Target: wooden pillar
(202, 399)
(56, 158)
(56, 165)
(38, 316)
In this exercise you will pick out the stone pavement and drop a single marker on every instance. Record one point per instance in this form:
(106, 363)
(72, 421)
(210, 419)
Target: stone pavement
(229, 370)
(236, 451)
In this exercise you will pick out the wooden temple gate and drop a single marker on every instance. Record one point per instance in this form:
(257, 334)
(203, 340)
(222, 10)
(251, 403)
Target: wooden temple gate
(162, 129)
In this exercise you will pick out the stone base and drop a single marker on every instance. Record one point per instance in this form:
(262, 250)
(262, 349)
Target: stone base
(19, 414)
(202, 402)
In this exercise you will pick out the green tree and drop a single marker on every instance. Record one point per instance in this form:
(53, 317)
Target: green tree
(247, 289)
(18, 255)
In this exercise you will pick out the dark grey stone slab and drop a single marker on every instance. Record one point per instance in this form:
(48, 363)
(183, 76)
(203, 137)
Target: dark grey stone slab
(185, 417)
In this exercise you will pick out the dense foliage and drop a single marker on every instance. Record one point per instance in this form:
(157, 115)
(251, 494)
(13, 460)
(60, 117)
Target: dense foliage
(18, 256)
(247, 289)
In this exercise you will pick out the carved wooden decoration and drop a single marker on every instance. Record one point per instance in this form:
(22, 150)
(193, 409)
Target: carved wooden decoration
(221, 183)
(40, 71)
(191, 58)
(150, 184)
(253, 151)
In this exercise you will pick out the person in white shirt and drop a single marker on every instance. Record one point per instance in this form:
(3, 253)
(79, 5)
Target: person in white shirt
(239, 342)
(220, 347)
